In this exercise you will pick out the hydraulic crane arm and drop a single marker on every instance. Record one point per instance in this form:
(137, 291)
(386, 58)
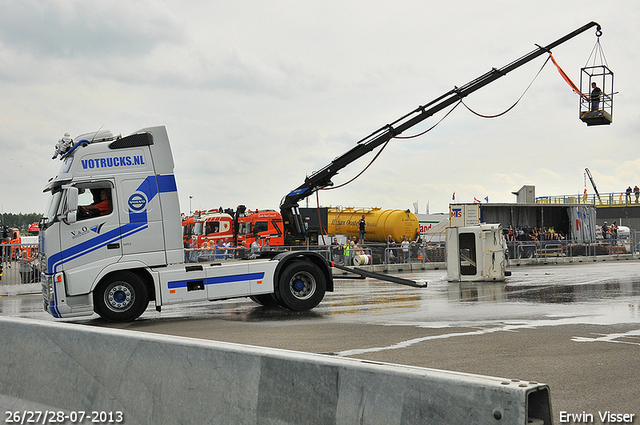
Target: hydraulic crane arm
(593, 183)
(289, 206)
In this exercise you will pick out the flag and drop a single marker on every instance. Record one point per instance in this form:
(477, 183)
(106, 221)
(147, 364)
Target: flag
(427, 207)
(415, 207)
(476, 200)
(453, 197)
(486, 199)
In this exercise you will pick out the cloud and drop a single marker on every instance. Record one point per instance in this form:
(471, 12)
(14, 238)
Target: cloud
(256, 96)
(88, 30)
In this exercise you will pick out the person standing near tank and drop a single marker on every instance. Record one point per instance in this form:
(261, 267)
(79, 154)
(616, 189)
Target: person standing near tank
(406, 254)
(362, 225)
(346, 253)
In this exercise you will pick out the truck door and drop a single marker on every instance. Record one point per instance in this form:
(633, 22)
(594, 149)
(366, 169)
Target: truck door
(141, 217)
(93, 241)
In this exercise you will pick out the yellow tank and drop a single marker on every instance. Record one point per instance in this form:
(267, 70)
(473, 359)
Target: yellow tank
(380, 223)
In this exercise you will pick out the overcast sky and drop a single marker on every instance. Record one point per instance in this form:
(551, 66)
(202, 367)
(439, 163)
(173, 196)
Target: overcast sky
(257, 95)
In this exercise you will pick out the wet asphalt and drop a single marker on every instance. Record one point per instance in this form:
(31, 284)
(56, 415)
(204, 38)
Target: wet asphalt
(574, 327)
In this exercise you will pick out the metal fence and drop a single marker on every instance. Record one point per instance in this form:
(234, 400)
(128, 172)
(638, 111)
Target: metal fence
(19, 264)
(613, 199)
(549, 249)
(371, 254)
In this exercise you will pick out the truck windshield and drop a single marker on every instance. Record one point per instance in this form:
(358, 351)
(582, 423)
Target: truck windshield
(52, 205)
(244, 228)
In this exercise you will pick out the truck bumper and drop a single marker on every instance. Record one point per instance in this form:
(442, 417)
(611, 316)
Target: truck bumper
(58, 304)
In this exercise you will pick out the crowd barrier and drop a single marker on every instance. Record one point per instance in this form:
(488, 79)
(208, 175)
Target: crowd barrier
(19, 264)
(146, 378)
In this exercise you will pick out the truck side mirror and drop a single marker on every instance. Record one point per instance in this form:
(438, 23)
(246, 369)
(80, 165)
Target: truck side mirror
(72, 204)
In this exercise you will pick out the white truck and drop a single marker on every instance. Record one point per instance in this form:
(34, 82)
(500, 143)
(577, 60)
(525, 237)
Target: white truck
(114, 260)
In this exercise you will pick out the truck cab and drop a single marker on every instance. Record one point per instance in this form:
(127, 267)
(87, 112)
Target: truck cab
(261, 226)
(114, 257)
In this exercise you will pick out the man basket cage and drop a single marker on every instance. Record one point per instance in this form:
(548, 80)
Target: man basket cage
(596, 88)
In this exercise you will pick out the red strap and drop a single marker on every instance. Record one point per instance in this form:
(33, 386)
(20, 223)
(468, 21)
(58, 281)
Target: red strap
(566, 78)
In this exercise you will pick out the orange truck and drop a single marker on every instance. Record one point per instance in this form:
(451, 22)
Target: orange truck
(11, 236)
(265, 225)
(241, 227)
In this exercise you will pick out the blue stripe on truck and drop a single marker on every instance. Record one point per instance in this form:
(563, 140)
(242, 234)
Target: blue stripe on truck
(220, 279)
(151, 186)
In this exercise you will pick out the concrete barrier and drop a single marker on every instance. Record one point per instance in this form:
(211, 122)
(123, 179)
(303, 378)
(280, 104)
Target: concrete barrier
(156, 379)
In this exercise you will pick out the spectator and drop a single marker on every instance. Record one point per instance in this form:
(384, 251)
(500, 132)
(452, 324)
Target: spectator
(390, 256)
(336, 251)
(255, 248)
(613, 231)
(636, 191)
(510, 234)
(362, 224)
(346, 253)
(26, 267)
(406, 254)
(219, 251)
(193, 254)
(535, 234)
(605, 231)
(267, 245)
(628, 193)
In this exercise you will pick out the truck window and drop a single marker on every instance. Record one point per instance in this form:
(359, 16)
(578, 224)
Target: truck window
(53, 204)
(244, 228)
(212, 227)
(94, 202)
(187, 230)
(261, 226)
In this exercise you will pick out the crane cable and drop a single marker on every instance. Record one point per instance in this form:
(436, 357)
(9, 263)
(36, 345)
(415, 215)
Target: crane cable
(596, 52)
(385, 145)
(519, 99)
(433, 126)
(361, 172)
(430, 128)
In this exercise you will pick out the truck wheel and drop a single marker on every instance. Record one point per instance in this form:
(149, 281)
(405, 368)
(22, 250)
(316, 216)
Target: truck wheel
(266, 300)
(302, 286)
(123, 297)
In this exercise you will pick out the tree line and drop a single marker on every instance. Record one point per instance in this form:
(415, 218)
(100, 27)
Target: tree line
(21, 221)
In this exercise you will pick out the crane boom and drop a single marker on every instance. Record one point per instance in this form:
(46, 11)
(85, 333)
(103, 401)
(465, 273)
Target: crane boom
(593, 183)
(292, 219)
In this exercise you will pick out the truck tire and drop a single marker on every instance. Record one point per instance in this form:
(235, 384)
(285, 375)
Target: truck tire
(122, 297)
(266, 300)
(301, 286)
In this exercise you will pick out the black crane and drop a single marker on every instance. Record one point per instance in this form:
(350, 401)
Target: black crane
(592, 184)
(294, 227)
